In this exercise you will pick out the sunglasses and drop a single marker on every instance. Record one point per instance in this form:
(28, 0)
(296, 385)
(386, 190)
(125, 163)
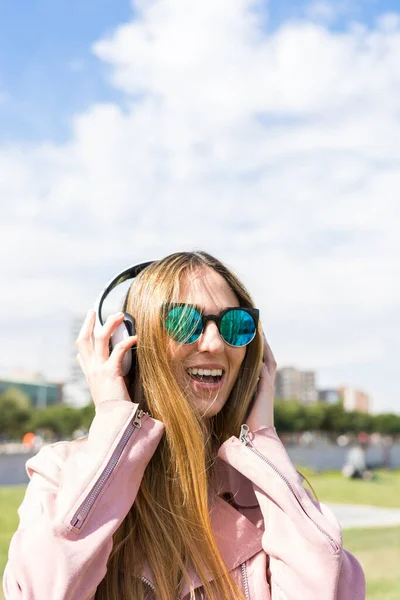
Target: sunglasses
(185, 323)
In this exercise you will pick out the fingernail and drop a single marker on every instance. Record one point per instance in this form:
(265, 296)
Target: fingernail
(119, 314)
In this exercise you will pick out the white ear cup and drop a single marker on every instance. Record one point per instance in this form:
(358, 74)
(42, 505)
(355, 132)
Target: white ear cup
(119, 335)
(127, 328)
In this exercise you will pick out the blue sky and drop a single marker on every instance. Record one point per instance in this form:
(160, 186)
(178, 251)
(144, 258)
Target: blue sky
(265, 133)
(48, 71)
(363, 11)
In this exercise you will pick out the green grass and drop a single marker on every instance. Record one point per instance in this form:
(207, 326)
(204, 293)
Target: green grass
(377, 549)
(10, 499)
(384, 490)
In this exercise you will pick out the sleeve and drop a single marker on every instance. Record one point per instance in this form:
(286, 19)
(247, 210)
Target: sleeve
(78, 494)
(302, 537)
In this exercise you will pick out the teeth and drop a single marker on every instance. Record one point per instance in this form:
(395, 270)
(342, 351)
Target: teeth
(206, 372)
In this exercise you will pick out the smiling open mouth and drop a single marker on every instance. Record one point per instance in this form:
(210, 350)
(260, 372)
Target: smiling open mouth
(206, 375)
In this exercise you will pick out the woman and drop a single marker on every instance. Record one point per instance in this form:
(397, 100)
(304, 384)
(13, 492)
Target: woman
(182, 488)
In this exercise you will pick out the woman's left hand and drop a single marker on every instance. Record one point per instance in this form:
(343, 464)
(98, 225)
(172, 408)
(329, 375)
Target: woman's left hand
(262, 412)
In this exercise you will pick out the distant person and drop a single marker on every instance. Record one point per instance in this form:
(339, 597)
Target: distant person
(182, 488)
(355, 466)
(29, 440)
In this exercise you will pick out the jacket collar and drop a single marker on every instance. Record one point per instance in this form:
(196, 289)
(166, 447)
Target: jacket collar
(237, 538)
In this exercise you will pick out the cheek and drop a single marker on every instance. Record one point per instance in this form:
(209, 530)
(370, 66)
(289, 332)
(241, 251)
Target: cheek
(237, 358)
(178, 352)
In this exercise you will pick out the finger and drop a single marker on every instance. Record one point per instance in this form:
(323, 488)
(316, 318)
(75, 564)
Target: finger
(82, 366)
(120, 350)
(83, 341)
(264, 373)
(265, 381)
(266, 393)
(268, 358)
(102, 335)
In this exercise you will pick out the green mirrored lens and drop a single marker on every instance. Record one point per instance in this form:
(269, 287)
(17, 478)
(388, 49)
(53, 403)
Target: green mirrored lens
(183, 324)
(237, 327)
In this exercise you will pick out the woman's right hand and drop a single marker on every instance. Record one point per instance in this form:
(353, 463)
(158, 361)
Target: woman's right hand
(103, 370)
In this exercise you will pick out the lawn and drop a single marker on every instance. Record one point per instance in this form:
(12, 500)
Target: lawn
(377, 549)
(383, 490)
(10, 499)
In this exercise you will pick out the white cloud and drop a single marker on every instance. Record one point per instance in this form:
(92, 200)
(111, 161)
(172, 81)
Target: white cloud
(279, 153)
(390, 22)
(323, 11)
(326, 12)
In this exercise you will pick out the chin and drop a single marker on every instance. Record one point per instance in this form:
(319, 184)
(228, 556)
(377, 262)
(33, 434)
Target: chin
(208, 407)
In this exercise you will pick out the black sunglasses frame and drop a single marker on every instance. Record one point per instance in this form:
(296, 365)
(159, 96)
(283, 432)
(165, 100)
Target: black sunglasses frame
(253, 312)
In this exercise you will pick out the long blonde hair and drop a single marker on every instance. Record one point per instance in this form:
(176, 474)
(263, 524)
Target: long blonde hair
(168, 526)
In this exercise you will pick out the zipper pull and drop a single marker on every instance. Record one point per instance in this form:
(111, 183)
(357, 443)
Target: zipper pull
(138, 419)
(137, 422)
(244, 430)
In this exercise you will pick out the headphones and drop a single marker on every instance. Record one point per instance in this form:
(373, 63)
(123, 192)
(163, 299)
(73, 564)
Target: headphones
(127, 327)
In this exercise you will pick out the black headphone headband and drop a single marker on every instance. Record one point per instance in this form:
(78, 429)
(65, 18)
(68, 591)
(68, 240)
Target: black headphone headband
(129, 273)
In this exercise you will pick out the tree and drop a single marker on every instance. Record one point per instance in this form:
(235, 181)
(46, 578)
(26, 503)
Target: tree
(15, 413)
(358, 421)
(61, 420)
(387, 423)
(287, 414)
(87, 415)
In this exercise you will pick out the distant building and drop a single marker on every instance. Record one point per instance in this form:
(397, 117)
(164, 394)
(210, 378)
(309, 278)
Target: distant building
(329, 396)
(291, 383)
(40, 392)
(354, 400)
(76, 389)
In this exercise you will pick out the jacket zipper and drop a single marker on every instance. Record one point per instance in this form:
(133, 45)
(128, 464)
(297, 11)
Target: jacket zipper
(81, 514)
(245, 581)
(147, 582)
(245, 440)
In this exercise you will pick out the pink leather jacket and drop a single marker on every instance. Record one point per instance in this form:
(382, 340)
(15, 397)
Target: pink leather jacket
(278, 543)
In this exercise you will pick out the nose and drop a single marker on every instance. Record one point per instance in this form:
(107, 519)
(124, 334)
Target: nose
(211, 340)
